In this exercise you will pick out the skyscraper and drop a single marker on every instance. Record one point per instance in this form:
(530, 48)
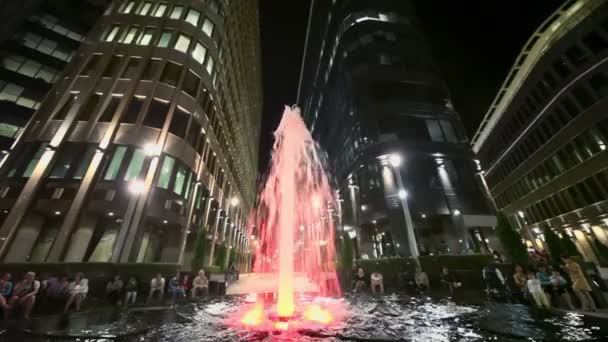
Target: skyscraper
(37, 40)
(376, 102)
(543, 140)
(148, 142)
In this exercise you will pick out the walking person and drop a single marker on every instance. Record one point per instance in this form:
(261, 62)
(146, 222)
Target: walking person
(131, 291)
(536, 291)
(580, 285)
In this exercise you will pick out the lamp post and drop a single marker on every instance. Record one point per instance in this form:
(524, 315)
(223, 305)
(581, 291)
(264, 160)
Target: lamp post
(395, 161)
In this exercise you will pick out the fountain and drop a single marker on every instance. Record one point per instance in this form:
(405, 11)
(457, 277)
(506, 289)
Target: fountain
(294, 222)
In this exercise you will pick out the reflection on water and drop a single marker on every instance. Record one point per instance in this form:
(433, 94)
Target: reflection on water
(390, 318)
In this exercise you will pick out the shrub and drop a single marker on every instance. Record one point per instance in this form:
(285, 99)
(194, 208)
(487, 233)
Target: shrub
(201, 245)
(511, 240)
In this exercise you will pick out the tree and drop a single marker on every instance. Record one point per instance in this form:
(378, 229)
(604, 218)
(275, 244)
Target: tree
(220, 258)
(511, 240)
(569, 246)
(200, 251)
(555, 244)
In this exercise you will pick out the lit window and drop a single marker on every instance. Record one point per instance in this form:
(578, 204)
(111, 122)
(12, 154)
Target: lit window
(165, 172)
(12, 62)
(182, 43)
(177, 12)
(180, 178)
(165, 38)
(130, 36)
(210, 66)
(135, 165)
(47, 46)
(129, 7)
(208, 27)
(47, 74)
(160, 10)
(8, 130)
(145, 8)
(146, 37)
(30, 68)
(83, 163)
(199, 53)
(193, 17)
(10, 92)
(112, 34)
(32, 164)
(114, 166)
(31, 40)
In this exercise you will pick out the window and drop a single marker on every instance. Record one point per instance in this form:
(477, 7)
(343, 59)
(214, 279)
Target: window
(8, 130)
(152, 69)
(180, 178)
(160, 10)
(213, 7)
(108, 113)
(30, 68)
(182, 43)
(131, 69)
(190, 85)
(27, 173)
(434, 130)
(210, 65)
(114, 167)
(64, 161)
(146, 36)
(157, 113)
(193, 17)
(145, 8)
(171, 73)
(208, 27)
(113, 67)
(61, 114)
(130, 36)
(89, 69)
(89, 107)
(135, 165)
(199, 53)
(10, 92)
(177, 12)
(179, 123)
(448, 130)
(112, 33)
(47, 74)
(133, 110)
(165, 172)
(47, 46)
(129, 7)
(84, 161)
(165, 38)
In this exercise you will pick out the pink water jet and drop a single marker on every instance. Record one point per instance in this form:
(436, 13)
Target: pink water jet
(294, 221)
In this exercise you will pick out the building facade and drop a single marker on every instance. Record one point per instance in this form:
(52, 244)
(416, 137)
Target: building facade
(37, 41)
(375, 101)
(543, 141)
(147, 142)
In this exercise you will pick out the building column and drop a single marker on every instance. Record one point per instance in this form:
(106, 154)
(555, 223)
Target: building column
(80, 240)
(214, 237)
(25, 238)
(186, 228)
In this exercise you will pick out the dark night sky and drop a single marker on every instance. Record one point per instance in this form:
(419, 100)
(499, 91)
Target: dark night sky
(474, 44)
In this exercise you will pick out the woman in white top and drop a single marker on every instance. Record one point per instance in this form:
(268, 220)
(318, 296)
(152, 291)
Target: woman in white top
(78, 291)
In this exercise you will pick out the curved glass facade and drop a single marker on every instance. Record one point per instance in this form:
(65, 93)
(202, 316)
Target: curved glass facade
(372, 91)
(144, 142)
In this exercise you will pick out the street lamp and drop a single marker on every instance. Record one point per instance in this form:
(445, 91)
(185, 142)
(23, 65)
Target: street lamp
(395, 161)
(234, 201)
(136, 187)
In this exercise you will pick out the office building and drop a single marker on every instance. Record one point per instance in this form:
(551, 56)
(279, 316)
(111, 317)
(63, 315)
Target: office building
(377, 104)
(543, 141)
(148, 140)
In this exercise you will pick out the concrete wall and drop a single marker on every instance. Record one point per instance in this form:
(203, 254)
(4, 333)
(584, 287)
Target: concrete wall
(25, 238)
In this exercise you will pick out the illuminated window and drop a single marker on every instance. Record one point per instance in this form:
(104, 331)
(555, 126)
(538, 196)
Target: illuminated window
(33, 162)
(182, 43)
(10, 92)
(180, 178)
(114, 167)
(199, 53)
(165, 172)
(193, 17)
(165, 38)
(177, 12)
(145, 8)
(135, 165)
(112, 34)
(208, 27)
(129, 7)
(146, 36)
(160, 10)
(8, 130)
(130, 36)
(210, 66)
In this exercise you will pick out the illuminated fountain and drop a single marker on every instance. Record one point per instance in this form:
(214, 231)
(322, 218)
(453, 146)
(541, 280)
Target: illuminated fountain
(294, 276)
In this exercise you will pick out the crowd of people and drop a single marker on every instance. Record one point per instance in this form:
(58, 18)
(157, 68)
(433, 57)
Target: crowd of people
(71, 292)
(546, 285)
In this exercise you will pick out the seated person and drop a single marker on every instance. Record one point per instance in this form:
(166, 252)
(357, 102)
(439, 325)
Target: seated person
(6, 288)
(360, 281)
(422, 280)
(560, 288)
(175, 289)
(24, 294)
(200, 284)
(57, 287)
(157, 287)
(376, 281)
(545, 279)
(77, 291)
(114, 290)
(131, 291)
